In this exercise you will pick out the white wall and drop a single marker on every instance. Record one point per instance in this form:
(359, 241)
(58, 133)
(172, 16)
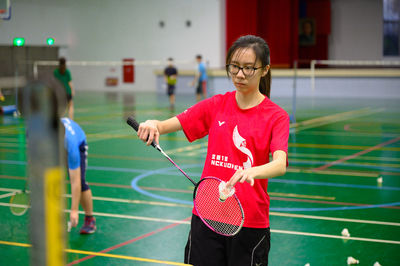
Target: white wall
(116, 29)
(357, 30)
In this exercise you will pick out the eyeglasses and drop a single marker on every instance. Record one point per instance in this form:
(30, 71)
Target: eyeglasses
(248, 71)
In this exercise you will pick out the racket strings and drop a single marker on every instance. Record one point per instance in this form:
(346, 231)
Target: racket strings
(222, 217)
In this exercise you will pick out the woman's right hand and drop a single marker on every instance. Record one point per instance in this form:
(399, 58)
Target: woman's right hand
(148, 131)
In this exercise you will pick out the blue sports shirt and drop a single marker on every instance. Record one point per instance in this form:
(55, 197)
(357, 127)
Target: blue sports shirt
(203, 72)
(74, 137)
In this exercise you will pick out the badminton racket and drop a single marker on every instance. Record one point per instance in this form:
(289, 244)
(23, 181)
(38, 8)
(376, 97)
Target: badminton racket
(223, 216)
(20, 201)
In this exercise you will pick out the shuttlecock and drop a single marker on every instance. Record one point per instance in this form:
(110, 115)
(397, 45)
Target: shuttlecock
(69, 226)
(377, 264)
(351, 260)
(307, 264)
(225, 192)
(379, 180)
(345, 232)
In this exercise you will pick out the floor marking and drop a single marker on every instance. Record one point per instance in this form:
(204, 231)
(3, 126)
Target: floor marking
(100, 254)
(335, 219)
(329, 202)
(335, 156)
(134, 240)
(332, 172)
(329, 119)
(93, 254)
(338, 147)
(357, 154)
(7, 195)
(335, 236)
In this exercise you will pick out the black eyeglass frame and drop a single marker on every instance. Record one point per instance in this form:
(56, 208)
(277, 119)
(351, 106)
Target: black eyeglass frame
(242, 68)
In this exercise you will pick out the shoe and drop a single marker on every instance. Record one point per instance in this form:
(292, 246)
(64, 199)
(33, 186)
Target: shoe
(90, 225)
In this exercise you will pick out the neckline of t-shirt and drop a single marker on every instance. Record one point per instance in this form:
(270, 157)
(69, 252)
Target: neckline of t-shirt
(248, 109)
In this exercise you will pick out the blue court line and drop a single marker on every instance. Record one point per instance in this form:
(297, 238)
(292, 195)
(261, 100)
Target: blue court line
(146, 173)
(135, 186)
(336, 208)
(320, 163)
(330, 184)
(272, 180)
(160, 171)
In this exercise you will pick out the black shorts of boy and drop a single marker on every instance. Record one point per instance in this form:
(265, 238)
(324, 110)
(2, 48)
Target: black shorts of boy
(83, 152)
(199, 89)
(206, 248)
(170, 90)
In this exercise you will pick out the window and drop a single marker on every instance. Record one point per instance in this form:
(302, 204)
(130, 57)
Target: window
(391, 27)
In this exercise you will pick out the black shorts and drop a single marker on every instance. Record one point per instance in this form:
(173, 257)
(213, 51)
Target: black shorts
(83, 148)
(206, 248)
(170, 90)
(69, 98)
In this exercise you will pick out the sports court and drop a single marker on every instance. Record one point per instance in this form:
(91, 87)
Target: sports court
(340, 196)
(335, 157)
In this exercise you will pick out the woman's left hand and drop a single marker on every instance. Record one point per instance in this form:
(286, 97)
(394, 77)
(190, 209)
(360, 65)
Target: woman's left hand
(241, 176)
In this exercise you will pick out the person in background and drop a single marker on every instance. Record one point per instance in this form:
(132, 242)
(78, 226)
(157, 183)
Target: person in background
(64, 76)
(170, 76)
(244, 127)
(76, 147)
(200, 79)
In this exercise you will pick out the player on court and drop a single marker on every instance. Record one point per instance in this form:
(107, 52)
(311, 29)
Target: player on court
(76, 146)
(170, 75)
(64, 76)
(200, 79)
(243, 128)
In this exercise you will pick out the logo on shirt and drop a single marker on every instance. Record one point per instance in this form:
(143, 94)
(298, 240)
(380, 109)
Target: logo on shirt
(221, 123)
(240, 144)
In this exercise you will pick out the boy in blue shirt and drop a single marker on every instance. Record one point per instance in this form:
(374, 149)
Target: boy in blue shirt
(76, 147)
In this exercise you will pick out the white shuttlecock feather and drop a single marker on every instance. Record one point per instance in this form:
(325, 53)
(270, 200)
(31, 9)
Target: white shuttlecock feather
(224, 192)
(351, 260)
(345, 232)
(69, 226)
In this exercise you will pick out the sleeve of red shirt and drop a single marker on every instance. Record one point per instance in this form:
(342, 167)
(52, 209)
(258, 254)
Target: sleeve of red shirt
(196, 120)
(280, 135)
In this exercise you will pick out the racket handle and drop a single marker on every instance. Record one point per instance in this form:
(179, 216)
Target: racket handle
(135, 125)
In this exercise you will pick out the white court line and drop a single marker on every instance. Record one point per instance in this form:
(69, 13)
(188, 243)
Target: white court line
(131, 217)
(336, 219)
(168, 204)
(337, 237)
(7, 195)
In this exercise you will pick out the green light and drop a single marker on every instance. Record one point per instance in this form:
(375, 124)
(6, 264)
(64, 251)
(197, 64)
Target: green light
(50, 41)
(19, 41)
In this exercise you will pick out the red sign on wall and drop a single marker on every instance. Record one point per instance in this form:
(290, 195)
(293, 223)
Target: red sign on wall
(129, 70)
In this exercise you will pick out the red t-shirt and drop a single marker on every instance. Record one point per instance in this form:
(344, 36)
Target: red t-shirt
(239, 138)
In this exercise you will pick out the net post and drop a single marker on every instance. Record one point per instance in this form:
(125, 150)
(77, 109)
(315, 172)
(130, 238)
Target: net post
(44, 138)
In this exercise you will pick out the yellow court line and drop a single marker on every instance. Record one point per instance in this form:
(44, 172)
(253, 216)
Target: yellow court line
(123, 257)
(329, 117)
(333, 172)
(291, 195)
(8, 243)
(394, 165)
(340, 147)
(100, 254)
(334, 156)
(321, 121)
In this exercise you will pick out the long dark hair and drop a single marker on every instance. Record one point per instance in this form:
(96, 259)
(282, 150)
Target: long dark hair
(261, 49)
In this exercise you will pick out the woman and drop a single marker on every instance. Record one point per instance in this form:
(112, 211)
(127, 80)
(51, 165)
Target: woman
(243, 128)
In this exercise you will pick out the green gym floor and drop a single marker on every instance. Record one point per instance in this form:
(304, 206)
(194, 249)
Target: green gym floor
(337, 151)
